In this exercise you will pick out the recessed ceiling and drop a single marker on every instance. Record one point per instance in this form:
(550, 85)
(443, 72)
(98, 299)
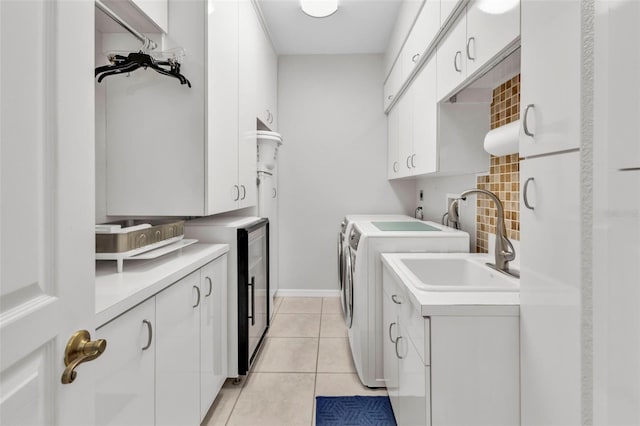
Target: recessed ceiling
(359, 26)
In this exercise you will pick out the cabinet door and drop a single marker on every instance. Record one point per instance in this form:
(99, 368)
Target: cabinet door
(550, 290)
(452, 66)
(125, 379)
(412, 389)
(491, 26)
(425, 28)
(392, 85)
(267, 75)
(393, 161)
(550, 95)
(405, 133)
(178, 353)
(390, 358)
(425, 120)
(222, 191)
(213, 331)
(249, 37)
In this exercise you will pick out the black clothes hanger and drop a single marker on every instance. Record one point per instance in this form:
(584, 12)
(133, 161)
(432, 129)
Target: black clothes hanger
(134, 60)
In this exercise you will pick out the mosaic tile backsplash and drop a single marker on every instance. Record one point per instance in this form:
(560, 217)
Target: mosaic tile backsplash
(504, 175)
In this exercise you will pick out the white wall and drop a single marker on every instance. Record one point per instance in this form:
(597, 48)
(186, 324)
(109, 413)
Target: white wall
(332, 162)
(434, 203)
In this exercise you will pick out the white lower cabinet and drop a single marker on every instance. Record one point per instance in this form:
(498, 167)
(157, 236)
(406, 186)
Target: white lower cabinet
(125, 380)
(405, 372)
(213, 332)
(166, 358)
(449, 369)
(178, 353)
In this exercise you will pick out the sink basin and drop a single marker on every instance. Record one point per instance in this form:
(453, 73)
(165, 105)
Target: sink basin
(454, 272)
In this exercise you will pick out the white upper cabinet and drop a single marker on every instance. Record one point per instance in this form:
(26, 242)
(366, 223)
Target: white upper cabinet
(393, 144)
(424, 30)
(550, 89)
(425, 120)
(178, 151)
(267, 82)
(452, 64)
(484, 30)
(392, 85)
(492, 25)
(249, 36)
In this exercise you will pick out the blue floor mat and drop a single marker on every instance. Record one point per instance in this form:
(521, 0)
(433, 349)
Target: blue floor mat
(354, 411)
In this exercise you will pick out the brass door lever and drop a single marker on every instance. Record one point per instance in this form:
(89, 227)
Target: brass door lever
(80, 349)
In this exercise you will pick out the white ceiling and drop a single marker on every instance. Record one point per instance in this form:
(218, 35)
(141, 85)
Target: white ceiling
(359, 26)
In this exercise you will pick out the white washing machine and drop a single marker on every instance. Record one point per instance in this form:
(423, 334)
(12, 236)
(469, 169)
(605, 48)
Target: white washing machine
(345, 229)
(363, 270)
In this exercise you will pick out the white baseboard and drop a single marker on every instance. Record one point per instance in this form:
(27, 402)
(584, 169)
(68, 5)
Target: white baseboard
(294, 292)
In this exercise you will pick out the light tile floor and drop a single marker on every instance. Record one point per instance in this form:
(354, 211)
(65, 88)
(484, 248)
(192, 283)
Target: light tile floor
(306, 353)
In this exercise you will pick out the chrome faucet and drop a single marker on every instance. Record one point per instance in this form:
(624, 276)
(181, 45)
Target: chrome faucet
(504, 251)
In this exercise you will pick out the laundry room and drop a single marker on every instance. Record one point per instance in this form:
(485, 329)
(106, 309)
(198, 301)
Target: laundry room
(320, 212)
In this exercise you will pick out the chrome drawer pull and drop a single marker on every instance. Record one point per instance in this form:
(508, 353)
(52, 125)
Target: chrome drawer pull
(395, 300)
(525, 124)
(524, 194)
(391, 338)
(397, 354)
(150, 330)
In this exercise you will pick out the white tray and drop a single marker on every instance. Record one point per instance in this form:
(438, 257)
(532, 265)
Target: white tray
(151, 251)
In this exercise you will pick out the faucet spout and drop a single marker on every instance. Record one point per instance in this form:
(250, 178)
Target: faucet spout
(504, 251)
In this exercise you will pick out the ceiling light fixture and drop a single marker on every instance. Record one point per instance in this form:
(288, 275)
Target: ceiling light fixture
(319, 8)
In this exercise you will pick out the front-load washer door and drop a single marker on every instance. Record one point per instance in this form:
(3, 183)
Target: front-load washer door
(347, 292)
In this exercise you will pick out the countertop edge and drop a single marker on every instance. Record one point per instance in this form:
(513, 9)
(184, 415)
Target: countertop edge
(176, 267)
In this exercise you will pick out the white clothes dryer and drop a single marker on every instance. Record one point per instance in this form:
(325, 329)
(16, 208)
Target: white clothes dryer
(345, 229)
(363, 270)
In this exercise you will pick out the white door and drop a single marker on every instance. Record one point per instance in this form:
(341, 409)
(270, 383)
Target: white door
(47, 214)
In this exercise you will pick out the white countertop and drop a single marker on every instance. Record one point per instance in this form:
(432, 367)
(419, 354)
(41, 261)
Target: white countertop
(370, 230)
(458, 303)
(118, 292)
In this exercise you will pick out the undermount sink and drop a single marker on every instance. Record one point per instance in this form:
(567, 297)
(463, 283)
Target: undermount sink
(454, 272)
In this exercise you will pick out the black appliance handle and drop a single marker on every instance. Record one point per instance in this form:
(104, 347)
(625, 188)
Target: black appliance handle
(252, 286)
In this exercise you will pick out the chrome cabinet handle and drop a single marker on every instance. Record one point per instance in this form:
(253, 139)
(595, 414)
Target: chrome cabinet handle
(150, 338)
(415, 57)
(396, 342)
(236, 188)
(391, 338)
(525, 124)
(390, 97)
(413, 161)
(408, 162)
(395, 166)
(198, 291)
(395, 300)
(455, 61)
(474, 48)
(210, 286)
(244, 192)
(275, 193)
(524, 194)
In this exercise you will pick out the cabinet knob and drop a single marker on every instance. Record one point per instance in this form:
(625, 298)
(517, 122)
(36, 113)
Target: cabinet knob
(150, 334)
(210, 286)
(525, 197)
(525, 121)
(198, 293)
(472, 58)
(455, 61)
